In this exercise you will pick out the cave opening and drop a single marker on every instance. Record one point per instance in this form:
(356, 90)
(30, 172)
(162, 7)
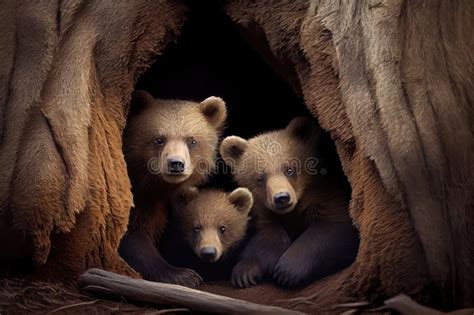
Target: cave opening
(212, 58)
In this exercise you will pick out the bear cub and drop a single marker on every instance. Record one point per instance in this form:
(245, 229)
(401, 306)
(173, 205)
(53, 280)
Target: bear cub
(303, 228)
(168, 145)
(207, 229)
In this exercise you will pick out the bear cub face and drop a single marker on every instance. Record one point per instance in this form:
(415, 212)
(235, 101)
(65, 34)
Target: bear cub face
(276, 166)
(212, 221)
(175, 140)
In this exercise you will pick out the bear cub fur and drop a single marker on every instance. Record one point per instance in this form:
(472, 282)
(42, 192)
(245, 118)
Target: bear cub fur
(207, 230)
(303, 228)
(168, 145)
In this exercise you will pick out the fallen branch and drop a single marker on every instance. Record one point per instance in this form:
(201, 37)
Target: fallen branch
(112, 285)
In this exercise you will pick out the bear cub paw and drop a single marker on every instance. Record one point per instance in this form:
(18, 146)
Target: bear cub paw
(290, 272)
(246, 274)
(181, 276)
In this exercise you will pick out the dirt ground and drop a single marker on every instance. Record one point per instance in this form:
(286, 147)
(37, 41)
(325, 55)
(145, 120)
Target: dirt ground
(17, 296)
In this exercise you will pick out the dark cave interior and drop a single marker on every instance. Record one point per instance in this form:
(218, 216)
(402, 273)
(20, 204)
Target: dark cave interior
(209, 58)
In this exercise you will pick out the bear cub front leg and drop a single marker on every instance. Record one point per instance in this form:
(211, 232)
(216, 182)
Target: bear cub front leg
(323, 248)
(139, 251)
(260, 256)
(298, 262)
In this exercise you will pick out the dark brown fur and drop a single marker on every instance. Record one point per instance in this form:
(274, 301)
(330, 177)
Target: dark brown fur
(176, 124)
(313, 236)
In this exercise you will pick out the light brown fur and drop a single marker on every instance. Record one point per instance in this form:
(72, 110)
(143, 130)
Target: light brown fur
(213, 218)
(159, 132)
(269, 155)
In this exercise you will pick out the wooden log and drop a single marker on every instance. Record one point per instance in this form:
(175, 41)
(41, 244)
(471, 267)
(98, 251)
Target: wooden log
(108, 284)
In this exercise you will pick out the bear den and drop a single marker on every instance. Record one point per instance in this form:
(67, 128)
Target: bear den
(257, 101)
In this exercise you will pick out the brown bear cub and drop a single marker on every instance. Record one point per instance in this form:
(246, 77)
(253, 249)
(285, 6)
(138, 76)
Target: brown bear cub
(208, 226)
(168, 145)
(303, 228)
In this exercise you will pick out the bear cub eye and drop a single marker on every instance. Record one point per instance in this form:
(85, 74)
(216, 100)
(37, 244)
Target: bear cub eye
(159, 141)
(192, 142)
(197, 228)
(222, 229)
(260, 179)
(289, 172)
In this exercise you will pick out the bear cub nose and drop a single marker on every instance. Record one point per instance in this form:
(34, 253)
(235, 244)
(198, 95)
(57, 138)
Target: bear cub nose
(208, 253)
(175, 166)
(281, 200)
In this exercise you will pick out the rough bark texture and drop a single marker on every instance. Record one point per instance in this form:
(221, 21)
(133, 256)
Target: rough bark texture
(68, 70)
(392, 81)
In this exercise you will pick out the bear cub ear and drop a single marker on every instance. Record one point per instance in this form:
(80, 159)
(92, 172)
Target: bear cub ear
(242, 199)
(213, 108)
(141, 99)
(185, 196)
(232, 148)
(304, 128)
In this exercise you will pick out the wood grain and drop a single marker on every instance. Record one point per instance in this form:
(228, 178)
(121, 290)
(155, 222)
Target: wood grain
(112, 285)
